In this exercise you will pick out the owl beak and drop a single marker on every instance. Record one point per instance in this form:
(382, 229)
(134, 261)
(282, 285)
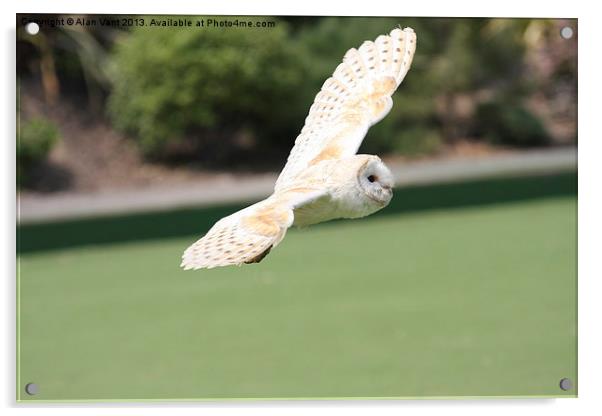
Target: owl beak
(388, 191)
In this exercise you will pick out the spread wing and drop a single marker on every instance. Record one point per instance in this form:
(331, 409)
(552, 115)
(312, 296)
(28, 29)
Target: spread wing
(357, 96)
(247, 236)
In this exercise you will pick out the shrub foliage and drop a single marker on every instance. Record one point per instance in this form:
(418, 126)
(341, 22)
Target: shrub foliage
(36, 138)
(172, 84)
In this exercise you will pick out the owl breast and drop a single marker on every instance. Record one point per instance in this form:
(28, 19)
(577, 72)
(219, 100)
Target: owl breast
(345, 198)
(345, 193)
(318, 211)
(346, 203)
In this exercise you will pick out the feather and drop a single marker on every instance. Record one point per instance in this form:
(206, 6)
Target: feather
(248, 235)
(355, 97)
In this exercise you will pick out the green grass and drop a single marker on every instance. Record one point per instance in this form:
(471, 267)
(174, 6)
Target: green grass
(464, 301)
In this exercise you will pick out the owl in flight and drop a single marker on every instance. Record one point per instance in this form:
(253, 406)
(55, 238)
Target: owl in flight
(323, 178)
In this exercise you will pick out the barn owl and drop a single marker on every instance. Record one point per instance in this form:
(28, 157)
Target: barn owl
(323, 178)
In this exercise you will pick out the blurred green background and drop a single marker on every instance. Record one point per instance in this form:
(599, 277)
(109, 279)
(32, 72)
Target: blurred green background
(453, 290)
(216, 98)
(457, 289)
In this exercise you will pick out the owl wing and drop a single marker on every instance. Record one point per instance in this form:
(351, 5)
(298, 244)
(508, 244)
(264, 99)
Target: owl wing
(247, 236)
(354, 98)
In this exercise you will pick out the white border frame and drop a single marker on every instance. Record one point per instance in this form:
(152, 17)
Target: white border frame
(590, 204)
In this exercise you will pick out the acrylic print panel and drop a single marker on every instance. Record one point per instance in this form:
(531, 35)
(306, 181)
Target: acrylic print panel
(136, 134)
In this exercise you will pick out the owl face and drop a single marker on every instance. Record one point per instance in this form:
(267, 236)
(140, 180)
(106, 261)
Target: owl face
(376, 181)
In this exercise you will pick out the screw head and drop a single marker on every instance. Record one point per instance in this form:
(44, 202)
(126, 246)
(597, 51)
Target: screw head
(566, 32)
(31, 389)
(32, 28)
(566, 384)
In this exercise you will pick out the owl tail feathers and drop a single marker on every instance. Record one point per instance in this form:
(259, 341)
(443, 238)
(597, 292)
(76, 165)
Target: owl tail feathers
(246, 236)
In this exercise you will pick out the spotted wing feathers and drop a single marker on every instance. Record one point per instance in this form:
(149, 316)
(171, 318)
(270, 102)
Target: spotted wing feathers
(356, 96)
(243, 237)
(247, 236)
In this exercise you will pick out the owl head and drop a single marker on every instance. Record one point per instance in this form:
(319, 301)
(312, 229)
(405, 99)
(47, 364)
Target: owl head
(376, 181)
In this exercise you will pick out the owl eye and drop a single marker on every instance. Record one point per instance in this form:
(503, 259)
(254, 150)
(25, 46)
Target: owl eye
(371, 178)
